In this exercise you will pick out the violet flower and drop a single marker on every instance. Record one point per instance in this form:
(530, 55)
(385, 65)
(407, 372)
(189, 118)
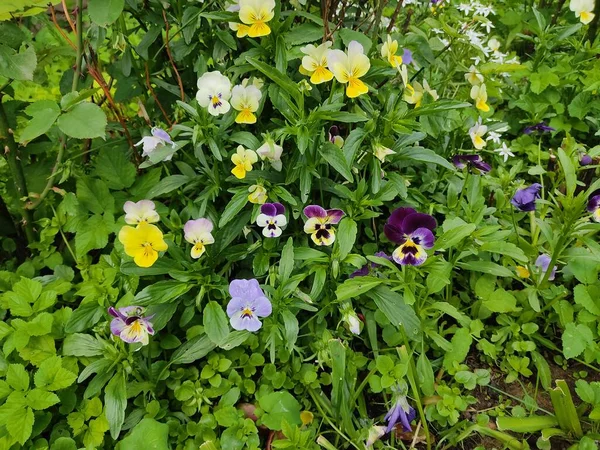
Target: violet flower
(319, 223)
(471, 161)
(271, 219)
(413, 231)
(247, 304)
(364, 270)
(130, 325)
(539, 128)
(585, 160)
(401, 412)
(593, 205)
(524, 199)
(542, 263)
(159, 139)
(407, 57)
(335, 137)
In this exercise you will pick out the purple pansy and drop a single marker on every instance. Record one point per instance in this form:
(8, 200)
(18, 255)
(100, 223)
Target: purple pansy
(130, 325)
(364, 270)
(474, 161)
(413, 231)
(407, 56)
(585, 159)
(319, 223)
(593, 205)
(335, 136)
(271, 219)
(247, 304)
(543, 263)
(538, 127)
(524, 199)
(401, 412)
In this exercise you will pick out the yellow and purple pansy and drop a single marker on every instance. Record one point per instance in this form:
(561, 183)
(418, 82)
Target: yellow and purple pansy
(130, 325)
(320, 223)
(593, 205)
(414, 232)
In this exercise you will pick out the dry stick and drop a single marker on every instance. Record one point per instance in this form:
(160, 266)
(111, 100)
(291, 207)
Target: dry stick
(155, 97)
(558, 8)
(395, 16)
(66, 12)
(171, 57)
(59, 28)
(325, 16)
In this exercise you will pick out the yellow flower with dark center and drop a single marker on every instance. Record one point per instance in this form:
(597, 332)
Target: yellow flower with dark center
(143, 243)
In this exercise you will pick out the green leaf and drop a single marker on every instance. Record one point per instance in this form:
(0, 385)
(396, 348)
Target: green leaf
(307, 32)
(501, 301)
(461, 344)
(83, 121)
(215, 322)
(148, 434)
(505, 248)
(94, 195)
(575, 339)
(354, 287)
(51, 376)
(194, 349)
(530, 424)
(161, 292)
(115, 402)
(82, 345)
(279, 406)
(25, 292)
(237, 203)
(286, 262)
(43, 115)
(281, 79)
(64, 443)
(425, 375)
(84, 317)
(17, 417)
(234, 339)
(423, 155)
(93, 234)
(17, 66)
(544, 78)
(334, 156)
(167, 185)
(114, 167)
(583, 298)
(346, 237)
(105, 12)
(398, 313)
(454, 235)
(486, 267)
(40, 399)
(17, 377)
(94, 435)
(291, 329)
(348, 35)
(569, 171)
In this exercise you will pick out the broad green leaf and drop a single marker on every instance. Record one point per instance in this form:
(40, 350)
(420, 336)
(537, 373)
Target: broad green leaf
(84, 121)
(167, 185)
(461, 344)
(454, 235)
(115, 402)
(420, 154)
(505, 248)
(354, 287)
(575, 339)
(583, 298)
(486, 267)
(425, 375)
(281, 79)
(84, 317)
(286, 262)
(51, 376)
(569, 171)
(17, 66)
(542, 79)
(396, 310)
(346, 237)
(17, 377)
(94, 195)
(115, 168)
(215, 322)
(529, 424)
(17, 417)
(279, 406)
(93, 234)
(348, 35)
(501, 301)
(291, 329)
(43, 115)
(161, 292)
(39, 399)
(194, 349)
(105, 12)
(334, 156)
(82, 345)
(148, 434)
(64, 443)
(237, 203)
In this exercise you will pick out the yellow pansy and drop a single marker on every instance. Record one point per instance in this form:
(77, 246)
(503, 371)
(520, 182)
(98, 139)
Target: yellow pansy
(522, 272)
(479, 94)
(245, 99)
(583, 9)
(314, 63)
(414, 93)
(256, 14)
(243, 160)
(349, 67)
(388, 51)
(473, 76)
(143, 243)
(258, 194)
(477, 132)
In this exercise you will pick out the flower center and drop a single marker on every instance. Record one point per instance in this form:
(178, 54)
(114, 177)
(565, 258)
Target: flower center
(247, 312)
(216, 100)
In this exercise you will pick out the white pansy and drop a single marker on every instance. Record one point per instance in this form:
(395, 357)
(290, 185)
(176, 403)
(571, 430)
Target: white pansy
(214, 92)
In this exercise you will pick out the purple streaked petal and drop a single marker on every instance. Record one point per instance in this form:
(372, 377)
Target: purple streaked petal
(315, 211)
(114, 312)
(404, 419)
(459, 161)
(268, 209)
(116, 326)
(410, 254)
(423, 237)
(335, 215)
(418, 220)
(240, 322)
(362, 272)
(236, 304)
(392, 417)
(482, 166)
(245, 289)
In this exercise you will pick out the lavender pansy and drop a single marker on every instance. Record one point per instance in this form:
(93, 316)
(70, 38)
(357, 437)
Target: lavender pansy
(593, 205)
(159, 139)
(471, 161)
(319, 223)
(414, 232)
(271, 219)
(400, 412)
(142, 211)
(524, 199)
(585, 160)
(247, 304)
(130, 325)
(543, 263)
(538, 127)
(407, 57)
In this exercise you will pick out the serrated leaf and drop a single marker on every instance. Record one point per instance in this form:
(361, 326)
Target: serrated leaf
(105, 12)
(43, 115)
(39, 399)
(17, 66)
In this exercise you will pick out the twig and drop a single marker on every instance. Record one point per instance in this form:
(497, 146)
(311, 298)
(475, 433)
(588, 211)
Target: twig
(155, 97)
(68, 16)
(395, 16)
(59, 28)
(414, 441)
(171, 56)
(79, 59)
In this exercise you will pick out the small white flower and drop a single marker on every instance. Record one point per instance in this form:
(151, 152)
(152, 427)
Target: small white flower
(484, 10)
(142, 211)
(271, 152)
(476, 60)
(494, 44)
(494, 137)
(504, 151)
(214, 91)
(488, 25)
(158, 140)
(465, 8)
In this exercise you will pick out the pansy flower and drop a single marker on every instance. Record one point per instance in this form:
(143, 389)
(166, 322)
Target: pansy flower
(389, 50)
(351, 319)
(538, 127)
(583, 9)
(320, 223)
(473, 76)
(524, 199)
(477, 132)
(585, 159)
(381, 152)
(271, 152)
(414, 232)
(159, 139)
(334, 136)
(593, 205)
(245, 98)
(375, 433)
(130, 325)
(198, 233)
(415, 92)
(214, 92)
(543, 264)
(479, 94)
(400, 412)
(143, 243)
(349, 67)
(142, 211)
(240, 28)
(255, 14)
(243, 160)
(314, 63)
(258, 194)
(271, 219)
(247, 304)
(471, 161)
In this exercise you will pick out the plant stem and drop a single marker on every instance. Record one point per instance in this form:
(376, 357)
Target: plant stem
(50, 183)
(79, 59)
(11, 152)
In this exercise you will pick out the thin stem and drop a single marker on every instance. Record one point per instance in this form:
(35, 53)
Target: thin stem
(79, 59)
(50, 183)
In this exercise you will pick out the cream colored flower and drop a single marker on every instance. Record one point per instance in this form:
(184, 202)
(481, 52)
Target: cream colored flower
(214, 91)
(479, 94)
(314, 63)
(381, 152)
(349, 67)
(477, 132)
(245, 99)
(388, 51)
(583, 9)
(258, 194)
(272, 152)
(414, 93)
(255, 14)
(473, 76)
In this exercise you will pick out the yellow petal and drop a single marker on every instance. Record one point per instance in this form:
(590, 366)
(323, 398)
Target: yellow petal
(239, 171)
(198, 250)
(586, 17)
(321, 75)
(146, 258)
(482, 105)
(478, 142)
(523, 272)
(355, 88)
(245, 116)
(259, 29)
(242, 30)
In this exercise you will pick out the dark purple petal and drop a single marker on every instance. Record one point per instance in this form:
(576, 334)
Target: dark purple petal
(594, 202)
(404, 420)
(423, 237)
(459, 161)
(382, 255)
(335, 215)
(333, 132)
(315, 211)
(280, 208)
(114, 312)
(539, 127)
(585, 160)
(393, 228)
(482, 166)
(407, 56)
(524, 199)
(418, 220)
(462, 161)
(362, 272)
(268, 209)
